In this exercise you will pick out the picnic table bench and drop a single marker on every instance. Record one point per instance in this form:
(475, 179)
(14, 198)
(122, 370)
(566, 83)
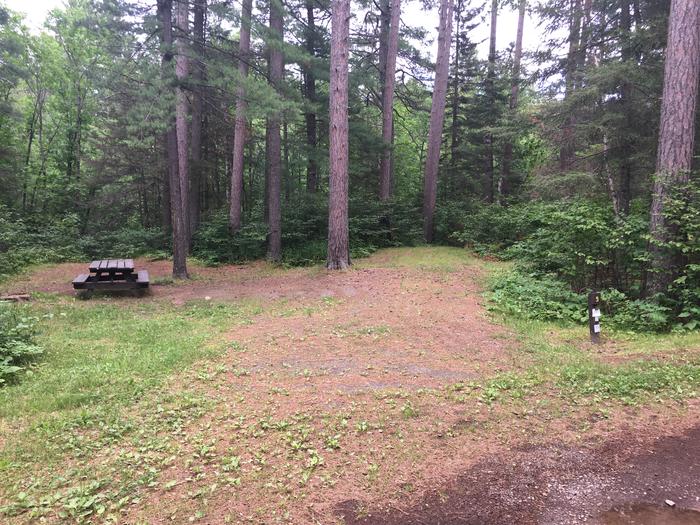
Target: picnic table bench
(113, 275)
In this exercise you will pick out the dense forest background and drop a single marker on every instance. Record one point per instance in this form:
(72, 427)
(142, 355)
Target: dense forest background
(552, 165)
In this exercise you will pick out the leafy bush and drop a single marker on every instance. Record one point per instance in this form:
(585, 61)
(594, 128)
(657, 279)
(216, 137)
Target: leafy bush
(130, 241)
(372, 225)
(17, 347)
(491, 229)
(682, 214)
(579, 245)
(542, 298)
(35, 239)
(213, 244)
(638, 315)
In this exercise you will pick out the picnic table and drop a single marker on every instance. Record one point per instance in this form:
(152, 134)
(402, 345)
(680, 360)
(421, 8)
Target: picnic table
(112, 274)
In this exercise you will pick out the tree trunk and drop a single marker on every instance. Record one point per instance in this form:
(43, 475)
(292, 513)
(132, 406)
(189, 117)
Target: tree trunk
(491, 94)
(568, 148)
(310, 93)
(388, 100)
(30, 142)
(200, 8)
(504, 183)
(241, 125)
(274, 152)
(677, 130)
(625, 172)
(285, 166)
(437, 115)
(454, 128)
(181, 109)
(178, 217)
(338, 229)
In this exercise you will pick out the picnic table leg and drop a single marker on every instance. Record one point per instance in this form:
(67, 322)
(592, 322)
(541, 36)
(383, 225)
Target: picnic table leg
(85, 294)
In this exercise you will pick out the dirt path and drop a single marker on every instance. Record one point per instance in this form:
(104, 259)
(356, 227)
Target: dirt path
(627, 479)
(363, 398)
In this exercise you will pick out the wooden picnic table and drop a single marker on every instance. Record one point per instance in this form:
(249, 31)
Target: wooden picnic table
(112, 274)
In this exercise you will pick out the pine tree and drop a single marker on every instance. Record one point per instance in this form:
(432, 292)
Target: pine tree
(437, 115)
(389, 73)
(241, 123)
(274, 151)
(179, 218)
(677, 130)
(338, 229)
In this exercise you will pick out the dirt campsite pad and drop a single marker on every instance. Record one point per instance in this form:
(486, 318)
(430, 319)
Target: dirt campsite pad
(386, 394)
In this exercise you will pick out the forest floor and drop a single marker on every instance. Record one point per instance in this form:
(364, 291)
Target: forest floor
(387, 394)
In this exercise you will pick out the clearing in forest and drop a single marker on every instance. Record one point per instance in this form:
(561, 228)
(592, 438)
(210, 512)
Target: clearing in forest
(387, 394)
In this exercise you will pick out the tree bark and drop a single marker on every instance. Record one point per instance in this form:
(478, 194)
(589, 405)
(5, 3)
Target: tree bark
(504, 182)
(454, 131)
(491, 94)
(677, 130)
(30, 141)
(181, 109)
(338, 229)
(568, 148)
(310, 93)
(178, 218)
(437, 115)
(241, 124)
(388, 100)
(200, 8)
(274, 152)
(625, 171)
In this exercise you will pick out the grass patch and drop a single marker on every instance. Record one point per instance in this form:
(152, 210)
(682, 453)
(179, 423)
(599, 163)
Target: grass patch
(429, 258)
(100, 359)
(630, 382)
(564, 366)
(95, 404)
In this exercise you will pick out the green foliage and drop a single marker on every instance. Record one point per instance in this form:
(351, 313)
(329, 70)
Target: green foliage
(17, 347)
(25, 241)
(213, 244)
(629, 381)
(372, 225)
(582, 243)
(637, 315)
(565, 248)
(490, 230)
(543, 298)
(682, 212)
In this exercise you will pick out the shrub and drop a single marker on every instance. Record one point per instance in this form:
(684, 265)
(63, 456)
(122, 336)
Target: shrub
(372, 225)
(17, 347)
(492, 229)
(682, 213)
(542, 298)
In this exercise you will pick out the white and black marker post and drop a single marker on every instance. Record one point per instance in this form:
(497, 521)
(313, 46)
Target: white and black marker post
(594, 315)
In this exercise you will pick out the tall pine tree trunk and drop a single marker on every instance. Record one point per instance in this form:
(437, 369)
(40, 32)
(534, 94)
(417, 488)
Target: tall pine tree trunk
(241, 125)
(568, 147)
(178, 217)
(200, 7)
(677, 130)
(454, 127)
(274, 147)
(310, 93)
(505, 181)
(388, 100)
(338, 229)
(625, 171)
(437, 115)
(491, 95)
(181, 109)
